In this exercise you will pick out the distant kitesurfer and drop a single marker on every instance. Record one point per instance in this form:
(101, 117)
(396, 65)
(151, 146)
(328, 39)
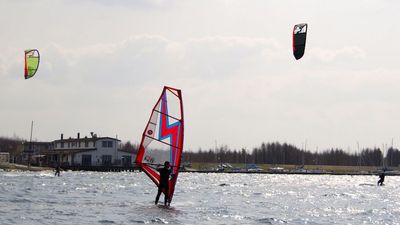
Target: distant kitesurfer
(381, 179)
(57, 171)
(165, 172)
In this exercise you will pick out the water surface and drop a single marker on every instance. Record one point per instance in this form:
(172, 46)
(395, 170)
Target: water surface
(128, 198)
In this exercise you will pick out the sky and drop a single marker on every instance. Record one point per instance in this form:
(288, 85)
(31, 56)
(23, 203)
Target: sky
(104, 64)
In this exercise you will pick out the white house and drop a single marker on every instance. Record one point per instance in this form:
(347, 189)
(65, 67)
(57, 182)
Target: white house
(89, 151)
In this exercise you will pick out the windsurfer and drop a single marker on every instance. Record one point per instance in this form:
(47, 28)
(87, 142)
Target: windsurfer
(57, 171)
(381, 179)
(165, 172)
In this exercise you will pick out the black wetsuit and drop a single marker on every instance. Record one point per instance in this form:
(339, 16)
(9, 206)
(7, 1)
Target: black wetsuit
(164, 184)
(57, 171)
(381, 179)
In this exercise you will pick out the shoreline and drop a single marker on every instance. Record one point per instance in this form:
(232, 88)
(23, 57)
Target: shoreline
(20, 167)
(295, 173)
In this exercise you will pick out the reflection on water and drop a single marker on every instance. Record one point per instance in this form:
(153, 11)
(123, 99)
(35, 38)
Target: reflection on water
(128, 198)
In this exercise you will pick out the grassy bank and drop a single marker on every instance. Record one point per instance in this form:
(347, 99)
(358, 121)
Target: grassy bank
(19, 167)
(271, 167)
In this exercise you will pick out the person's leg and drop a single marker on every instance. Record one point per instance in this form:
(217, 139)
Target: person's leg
(158, 195)
(166, 196)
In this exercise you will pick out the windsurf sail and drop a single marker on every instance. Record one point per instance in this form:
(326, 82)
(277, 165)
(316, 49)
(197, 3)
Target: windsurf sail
(299, 40)
(162, 139)
(32, 59)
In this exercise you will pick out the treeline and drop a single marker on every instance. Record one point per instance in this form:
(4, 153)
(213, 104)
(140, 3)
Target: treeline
(267, 153)
(10, 144)
(277, 153)
(129, 147)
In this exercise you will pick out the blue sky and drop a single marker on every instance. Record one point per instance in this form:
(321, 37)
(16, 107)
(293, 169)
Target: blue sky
(104, 64)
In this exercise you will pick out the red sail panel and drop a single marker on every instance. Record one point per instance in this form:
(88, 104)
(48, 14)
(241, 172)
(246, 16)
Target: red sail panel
(162, 139)
(25, 67)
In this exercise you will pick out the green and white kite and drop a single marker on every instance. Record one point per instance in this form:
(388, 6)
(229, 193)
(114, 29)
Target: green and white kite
(32, 59)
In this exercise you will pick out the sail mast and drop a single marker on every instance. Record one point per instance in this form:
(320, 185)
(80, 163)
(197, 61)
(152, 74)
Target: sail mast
(30, 146)
(30, 140)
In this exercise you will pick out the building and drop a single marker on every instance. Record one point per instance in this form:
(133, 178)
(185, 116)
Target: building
(14, 147)
(88, 151)
(33, 152)
(4, 157)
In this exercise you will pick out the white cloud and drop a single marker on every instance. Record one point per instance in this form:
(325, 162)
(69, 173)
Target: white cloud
(343, 54)
(230, 84)
(136, 4)
(104, 65)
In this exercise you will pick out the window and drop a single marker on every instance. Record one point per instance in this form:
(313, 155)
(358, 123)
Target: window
(86, 144)
(62, 144)
(86, 160)
(106, 160)
(107, 144)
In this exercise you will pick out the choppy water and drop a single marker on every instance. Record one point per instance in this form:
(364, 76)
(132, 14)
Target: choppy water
(128, 198)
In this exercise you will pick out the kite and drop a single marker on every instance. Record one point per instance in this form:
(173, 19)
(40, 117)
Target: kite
(32, 59)
(299, 40)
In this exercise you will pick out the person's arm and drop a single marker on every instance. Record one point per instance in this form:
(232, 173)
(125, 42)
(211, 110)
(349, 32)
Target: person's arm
(171, 175)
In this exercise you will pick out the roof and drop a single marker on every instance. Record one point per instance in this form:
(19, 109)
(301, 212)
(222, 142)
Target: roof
(115, 139)
(85, 139)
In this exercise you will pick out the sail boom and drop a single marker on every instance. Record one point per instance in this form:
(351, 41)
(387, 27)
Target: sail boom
(167, 115)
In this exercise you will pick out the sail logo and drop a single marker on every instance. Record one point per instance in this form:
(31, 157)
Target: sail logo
(168, 130)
